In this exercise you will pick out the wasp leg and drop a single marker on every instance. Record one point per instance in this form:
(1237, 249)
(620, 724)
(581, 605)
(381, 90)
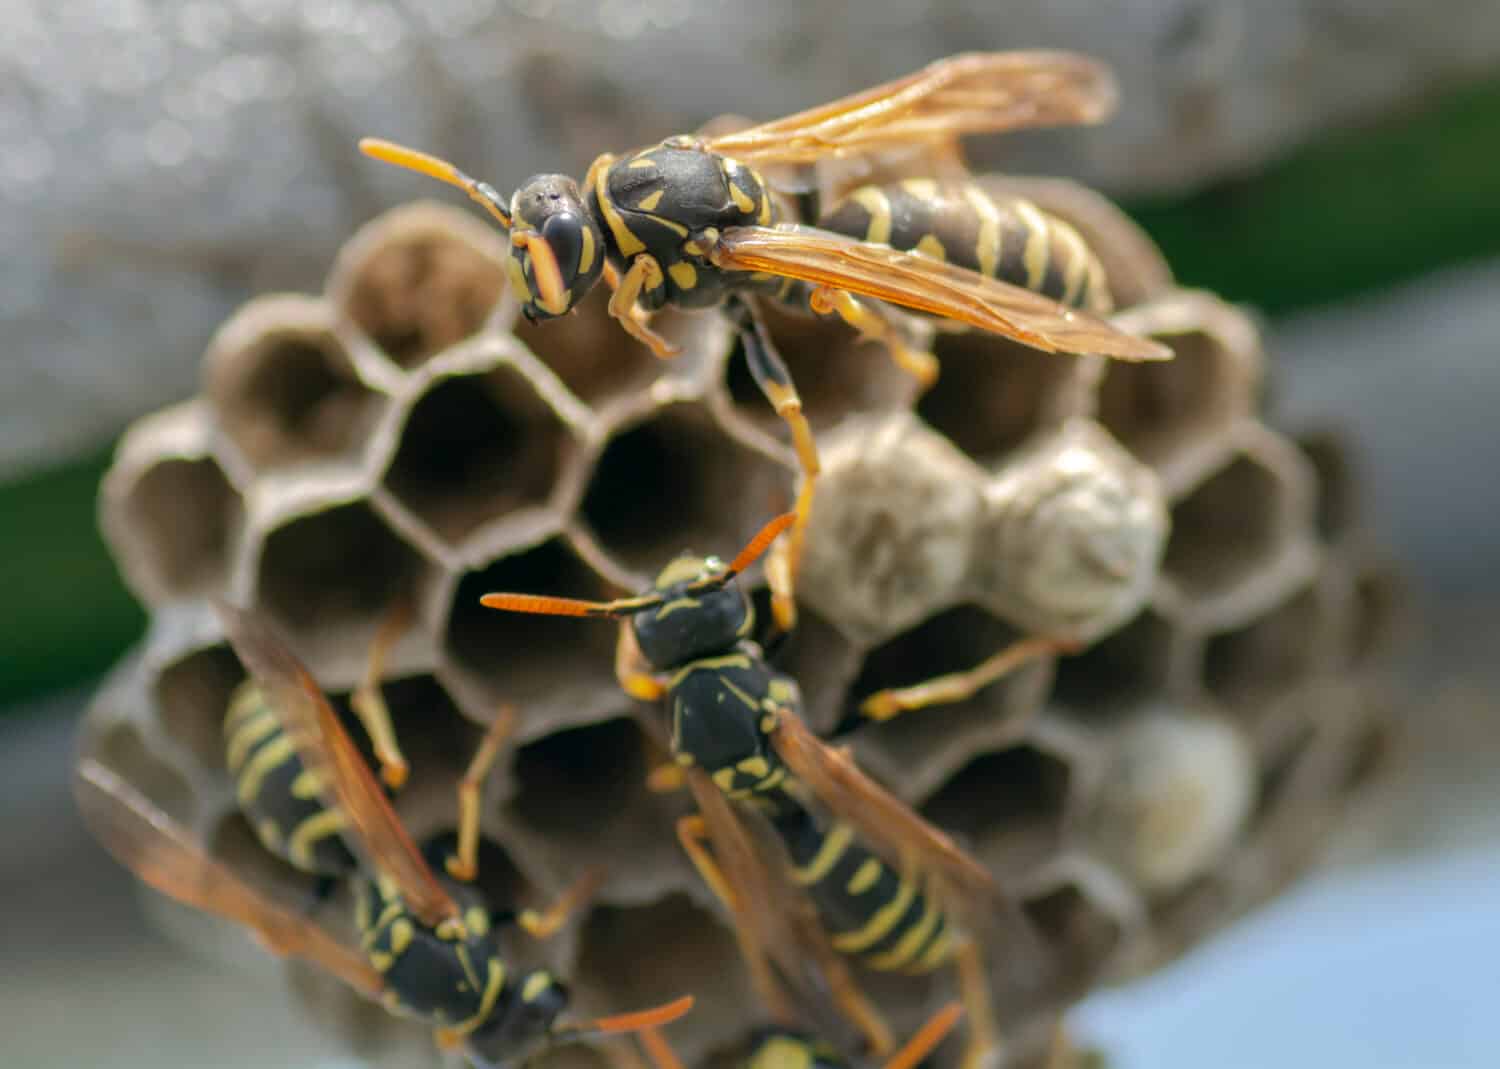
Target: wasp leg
(920, 365)
(974, 989)
(368, 702)
(692, 833)
(547, 922)
(956, 686)
(771, 375)
(465, 864)
(644, 274)
(448, 1039)
(634, 672)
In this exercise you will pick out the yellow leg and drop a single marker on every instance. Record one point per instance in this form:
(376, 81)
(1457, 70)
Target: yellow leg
(974, 989)
(465, 865)
(547, 923)
(692, 833)
(368, 701)
(862, 1013)
(644, 274)
(956, 686)
(920, 365)
(632, 671)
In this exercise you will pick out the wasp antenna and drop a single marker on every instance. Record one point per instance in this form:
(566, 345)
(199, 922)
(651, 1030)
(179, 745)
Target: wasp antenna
(760, 543)
(661, 1052)
(639, 1021)
(927, 1038)
(482, 193)
(542, 605)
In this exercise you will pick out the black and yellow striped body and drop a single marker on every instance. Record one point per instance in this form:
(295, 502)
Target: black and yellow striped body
(1001, 237)
(278, 795)
(453, 976)
(870, 910)
(722, 715)
(779, 1049)
(673, 198)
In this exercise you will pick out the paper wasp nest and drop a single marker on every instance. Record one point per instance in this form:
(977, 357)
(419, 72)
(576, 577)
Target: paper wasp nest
(406, 435)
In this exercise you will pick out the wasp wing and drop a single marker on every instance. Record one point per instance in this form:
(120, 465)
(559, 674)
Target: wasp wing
(163, 854)
(925, 284)
(972, 93)
(345, 782)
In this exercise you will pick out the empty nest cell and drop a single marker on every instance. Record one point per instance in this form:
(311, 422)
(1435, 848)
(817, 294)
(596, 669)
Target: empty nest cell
(1226, 530)
(1270, 656)
(1081, 933)
(1008, 805)
(475, 447)
(182, 516)
(992, 394)
(836, 373)
(560, 663)
(284, 388)
(192, 696)
(582, 793)
(646, 955)
(592, 354)
(674, 483)
(333, 571)
(1160, 410)
(419, 280)
(1135, 662)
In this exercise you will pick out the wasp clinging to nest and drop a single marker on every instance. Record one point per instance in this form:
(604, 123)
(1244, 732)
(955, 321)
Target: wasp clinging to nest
(691, 222)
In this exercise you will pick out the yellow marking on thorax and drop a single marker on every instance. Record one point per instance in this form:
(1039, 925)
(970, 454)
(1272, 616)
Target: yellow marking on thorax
(493, 983)
(711, 664)
(864, 877)
(878, 205)
(921, 188)
(1075, 268)
(908, 945)
(668, 608)
(742, 200)
(467, 964)
(308, 833)
(931, 246)
(402, 933)
(650, 201)
(641, 163)
(763, 217)
(1038, 243)
(987, 250)
(880, 923)
(684, 274)
(246, 735)
(782, 1052)
(829, 851)
(754, 766)
(628, 243)
(477, 920)
(535, 985)
(382, 960)
(266, 760)
(307, 784)
(586, 256)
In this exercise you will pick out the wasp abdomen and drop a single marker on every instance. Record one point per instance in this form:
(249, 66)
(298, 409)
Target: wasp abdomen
(868, 908)
(278, 795)
(1007, 238)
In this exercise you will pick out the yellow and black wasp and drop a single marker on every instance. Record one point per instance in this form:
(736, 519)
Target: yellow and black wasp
(429, 946)
(881, 884)
(691, 222)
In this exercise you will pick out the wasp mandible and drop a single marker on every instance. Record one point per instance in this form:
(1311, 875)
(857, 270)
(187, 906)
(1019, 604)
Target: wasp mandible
(691, 222)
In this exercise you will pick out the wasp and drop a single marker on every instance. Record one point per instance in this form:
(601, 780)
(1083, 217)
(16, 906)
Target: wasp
(691, 222)
(876, 882)
(429, 947)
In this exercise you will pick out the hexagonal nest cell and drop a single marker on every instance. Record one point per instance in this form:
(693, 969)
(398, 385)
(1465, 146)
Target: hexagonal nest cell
(1112, 674)
(420, 279)
(993, 394)
(592, 354)
(1081, 933)
(1226, 530)
(183, 516)
(192, 695)
(688, 948)
(546, 665)
(1009, 806)
(1337, 510)
(285, 390)
(475, 447)
(334, 570)
(582, 793)
(120, 748)
(836, 373)
(1272, 655)
(673, 483)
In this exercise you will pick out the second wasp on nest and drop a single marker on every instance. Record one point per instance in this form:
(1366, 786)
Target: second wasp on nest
(409, 437)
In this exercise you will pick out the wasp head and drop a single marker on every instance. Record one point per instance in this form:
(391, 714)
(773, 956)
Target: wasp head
(556, 247)
(692, 621)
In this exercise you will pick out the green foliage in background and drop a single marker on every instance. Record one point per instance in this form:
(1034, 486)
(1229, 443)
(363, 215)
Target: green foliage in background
(1353, 213)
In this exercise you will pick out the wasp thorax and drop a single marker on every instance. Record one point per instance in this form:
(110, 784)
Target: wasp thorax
(557, 250)
(688, 624)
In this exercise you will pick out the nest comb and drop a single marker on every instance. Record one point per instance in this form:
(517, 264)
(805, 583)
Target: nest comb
(406, 434)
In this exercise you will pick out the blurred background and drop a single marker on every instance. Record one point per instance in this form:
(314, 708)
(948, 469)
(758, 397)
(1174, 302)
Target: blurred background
(1331, 163)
